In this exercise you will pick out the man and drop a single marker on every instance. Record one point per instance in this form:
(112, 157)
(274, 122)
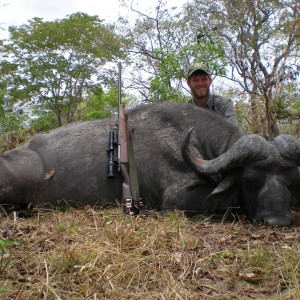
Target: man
(199, 81)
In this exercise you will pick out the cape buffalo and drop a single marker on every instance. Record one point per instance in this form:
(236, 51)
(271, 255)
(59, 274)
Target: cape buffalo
(207, 169)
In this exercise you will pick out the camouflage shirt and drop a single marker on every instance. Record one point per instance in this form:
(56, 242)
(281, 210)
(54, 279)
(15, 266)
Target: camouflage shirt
(221, 106)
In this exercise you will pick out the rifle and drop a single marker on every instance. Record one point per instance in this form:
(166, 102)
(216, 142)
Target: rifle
(131, 201)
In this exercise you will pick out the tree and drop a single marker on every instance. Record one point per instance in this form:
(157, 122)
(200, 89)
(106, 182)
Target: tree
(261, 45)
(99, 105)
(151, 40)
(161, 50)
(156, 52)
(53, 65)
(11, 118)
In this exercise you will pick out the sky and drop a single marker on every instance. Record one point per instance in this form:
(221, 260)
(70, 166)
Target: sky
(18, 12)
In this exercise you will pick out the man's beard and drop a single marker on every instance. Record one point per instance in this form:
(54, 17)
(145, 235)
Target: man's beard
(200, 93)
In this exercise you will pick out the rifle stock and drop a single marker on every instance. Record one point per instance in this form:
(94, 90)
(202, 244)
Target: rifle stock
(126, 163)
(123, 155)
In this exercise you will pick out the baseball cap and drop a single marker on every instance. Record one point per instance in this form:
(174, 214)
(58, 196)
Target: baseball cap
(198, 67)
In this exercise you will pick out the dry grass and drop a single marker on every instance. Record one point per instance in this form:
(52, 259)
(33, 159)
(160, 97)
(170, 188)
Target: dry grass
(94, 254)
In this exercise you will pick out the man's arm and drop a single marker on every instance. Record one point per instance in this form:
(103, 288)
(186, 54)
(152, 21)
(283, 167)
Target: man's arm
(225, 108)
(229, 113)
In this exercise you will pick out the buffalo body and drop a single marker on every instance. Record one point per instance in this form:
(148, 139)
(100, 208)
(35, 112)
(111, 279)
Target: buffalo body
(210, 169)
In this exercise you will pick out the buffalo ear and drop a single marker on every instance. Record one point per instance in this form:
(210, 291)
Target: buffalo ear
(224, 196)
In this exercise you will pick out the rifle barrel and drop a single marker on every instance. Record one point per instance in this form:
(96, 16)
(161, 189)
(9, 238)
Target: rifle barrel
(119, 83)
(119, 107)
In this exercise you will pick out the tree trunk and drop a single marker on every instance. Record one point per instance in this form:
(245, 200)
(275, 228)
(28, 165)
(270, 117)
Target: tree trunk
(272, 123)
(259, 122)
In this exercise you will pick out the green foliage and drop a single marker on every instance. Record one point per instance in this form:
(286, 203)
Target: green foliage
(55, 66)
(294, 100)
(4, 244)
(12, 121)
(281, 109)
(296, 106)
(165, 44)
(287, 102)
(44, 122)
(172, 69)
(99, 105)
(259, 42)
(169, 70)
(52, 65)
(11, 118)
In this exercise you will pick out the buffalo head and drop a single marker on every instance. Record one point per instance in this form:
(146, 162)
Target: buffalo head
(263, 175)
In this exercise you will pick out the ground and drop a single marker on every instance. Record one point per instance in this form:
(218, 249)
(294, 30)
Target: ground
(102, 254)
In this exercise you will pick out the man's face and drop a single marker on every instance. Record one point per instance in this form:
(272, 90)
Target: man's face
(199, 85)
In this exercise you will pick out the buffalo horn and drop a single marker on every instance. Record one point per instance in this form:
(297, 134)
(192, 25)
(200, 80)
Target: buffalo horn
(246, 148)
(288, 147)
